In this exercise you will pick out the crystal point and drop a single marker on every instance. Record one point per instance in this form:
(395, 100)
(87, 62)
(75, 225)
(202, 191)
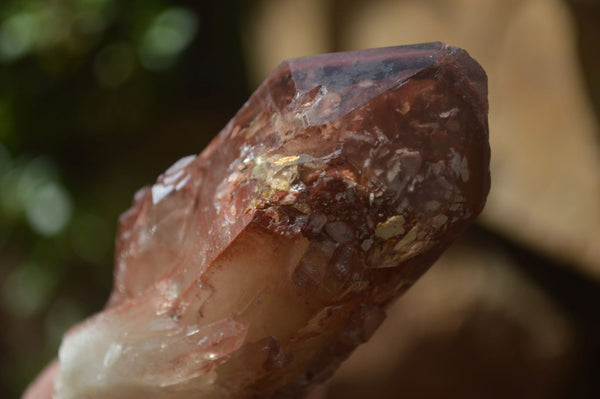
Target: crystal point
(254, 268)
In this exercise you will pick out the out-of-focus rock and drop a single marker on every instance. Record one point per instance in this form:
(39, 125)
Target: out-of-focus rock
(472, 327)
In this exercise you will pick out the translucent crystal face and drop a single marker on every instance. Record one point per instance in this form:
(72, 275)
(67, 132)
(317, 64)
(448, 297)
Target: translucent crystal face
(255, 267)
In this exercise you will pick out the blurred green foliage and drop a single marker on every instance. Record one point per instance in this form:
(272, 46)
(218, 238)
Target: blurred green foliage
(97, 97)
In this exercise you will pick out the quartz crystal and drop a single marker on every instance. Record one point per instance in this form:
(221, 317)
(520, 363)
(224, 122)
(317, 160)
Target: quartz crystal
(253, 269)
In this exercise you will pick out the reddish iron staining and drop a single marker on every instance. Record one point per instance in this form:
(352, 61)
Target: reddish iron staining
(256, 267)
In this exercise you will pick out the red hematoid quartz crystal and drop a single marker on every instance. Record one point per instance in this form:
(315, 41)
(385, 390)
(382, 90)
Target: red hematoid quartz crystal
(256, 267)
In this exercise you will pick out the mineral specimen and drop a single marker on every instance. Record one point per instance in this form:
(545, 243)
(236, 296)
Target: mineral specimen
(256, 267)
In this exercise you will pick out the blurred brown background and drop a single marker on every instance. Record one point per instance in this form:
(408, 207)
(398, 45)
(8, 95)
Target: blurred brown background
(97, 97)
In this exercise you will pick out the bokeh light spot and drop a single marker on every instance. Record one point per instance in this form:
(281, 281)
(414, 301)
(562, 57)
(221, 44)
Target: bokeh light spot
(18, 35)
(26, 289)
(17, 183)
(48, 209)
(169, 34)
